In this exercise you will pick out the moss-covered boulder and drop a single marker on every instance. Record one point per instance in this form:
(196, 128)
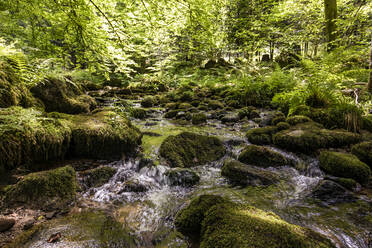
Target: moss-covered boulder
(364, 152)
(43, 189)
(344, 165)
(310, 136)
(62, 95)
(182, 177)
(198, 118)
(148, 102)
(185, 106)
(190, 149)
(242, 174)
(188, 221)
(29, 137)
(171, 114)
(297, 119)
(98, 176)
(102, 135)
(215, 104)
(262, 156)
(282, 126)
(138, 113)
(218, 223)
(262, 135)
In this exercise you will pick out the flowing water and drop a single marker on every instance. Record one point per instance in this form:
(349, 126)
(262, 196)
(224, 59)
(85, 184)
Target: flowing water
(149, 211)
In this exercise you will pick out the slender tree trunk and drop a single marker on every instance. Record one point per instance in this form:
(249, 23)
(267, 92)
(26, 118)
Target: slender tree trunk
(330, 10)
(370, 70)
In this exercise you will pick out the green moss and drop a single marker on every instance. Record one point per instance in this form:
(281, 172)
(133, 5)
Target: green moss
(104, 230)
(138, 113)
(185, 106)
(186, 96)
(98, 176)
(216, 222)
(171, 114)
(277, 119)
(282, 126)
(262, 156)
(215, 104)
(308, 137)
(348, 183)
(22, 239)
(182, 176)
(28, 137)
(62, 95)
(241, 174)
(297, 119)
(364, 152)
(40, 188)
(189, 149)
(199, 118)
(148, 102)
(172, 105)
(234, 225)
(344, 165)
(188, 220)
(261, 136)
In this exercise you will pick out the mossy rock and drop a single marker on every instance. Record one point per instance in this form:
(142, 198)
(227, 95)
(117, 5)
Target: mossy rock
(199, 118)
(171, 114)
(171, 105)
(98, 176)
(297, 119)
(188, 221)
(28, 137)
(148, 102)
(185, 106)
(41, 189)
(182, 177)
(241, 174)
(310, 136)
(218, 223)
(215, 104)
(186, 96)
(261, 136)
(277, 119)
(344, 165)
(103, 135)
(283, 126)
(364, 152)
(262, 156)
(64, 96)
(138, 113)
(190, 149)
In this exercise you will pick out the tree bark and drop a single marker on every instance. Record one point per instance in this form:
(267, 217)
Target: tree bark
(330, 10)
(370, 70)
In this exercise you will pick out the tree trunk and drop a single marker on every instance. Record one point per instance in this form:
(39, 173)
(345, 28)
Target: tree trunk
(370, 70)
(330, 9)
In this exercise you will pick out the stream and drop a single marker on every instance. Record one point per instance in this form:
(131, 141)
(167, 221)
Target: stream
(149, 206)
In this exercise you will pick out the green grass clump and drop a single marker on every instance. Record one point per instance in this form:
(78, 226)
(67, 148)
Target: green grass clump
(189, 149)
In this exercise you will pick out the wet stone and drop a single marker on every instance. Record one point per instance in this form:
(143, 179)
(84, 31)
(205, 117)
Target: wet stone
(330, 193)
(6, 224)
